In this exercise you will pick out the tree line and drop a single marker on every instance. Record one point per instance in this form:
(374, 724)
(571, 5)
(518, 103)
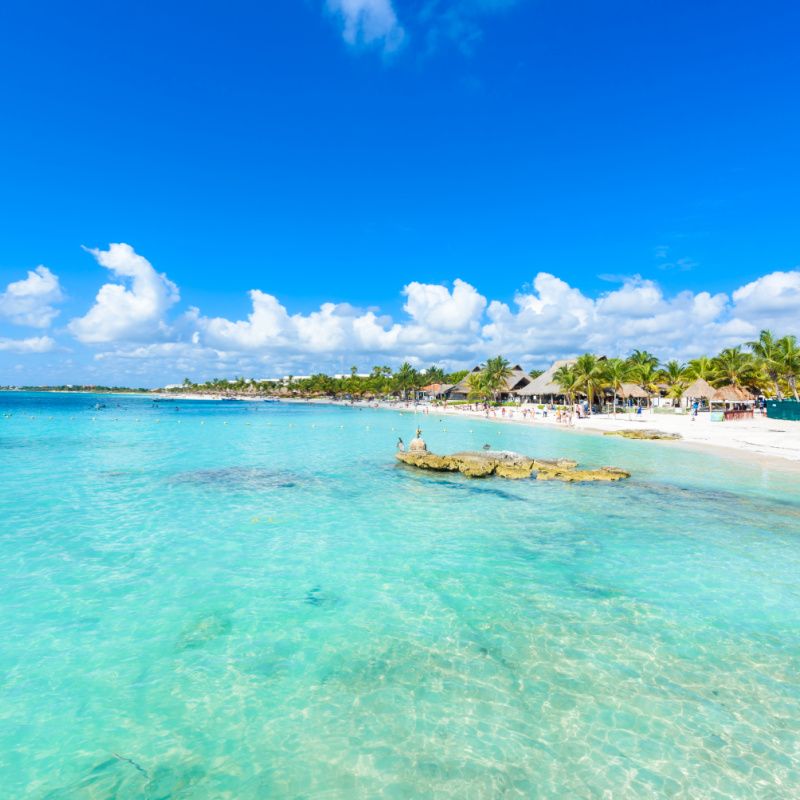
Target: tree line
(383, 381)
(769, 364)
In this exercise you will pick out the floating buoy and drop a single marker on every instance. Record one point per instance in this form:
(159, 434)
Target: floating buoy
(291, 426)
(94, 418)
(51, 418)
(202, 423)
(224, 423)
(367, 427)
(137, 420)
(470, 431)
(341, 426)
(179, 422)
(248, 423)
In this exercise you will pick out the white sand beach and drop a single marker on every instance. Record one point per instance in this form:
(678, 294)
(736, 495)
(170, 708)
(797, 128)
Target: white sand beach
(766, 437)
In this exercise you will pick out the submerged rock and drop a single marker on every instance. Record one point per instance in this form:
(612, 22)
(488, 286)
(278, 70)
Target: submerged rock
(644, 434)
(507, 464)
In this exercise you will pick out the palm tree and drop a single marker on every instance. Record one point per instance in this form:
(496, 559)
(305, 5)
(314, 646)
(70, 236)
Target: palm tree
(435, 374)
(769, 357)
(476, 385)
(790, 361)
(568, 381)
(699, 369)
(672, 372)
(676, 392)
(405, 378)
(641, 358)
(617, 372)
(734, 367)
(647, 377)
(591, 374)
(496, 372)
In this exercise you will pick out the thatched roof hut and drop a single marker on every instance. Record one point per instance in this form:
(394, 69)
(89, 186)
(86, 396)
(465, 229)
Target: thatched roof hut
(543, 385)
(632, 390)
(700, 388)
(733, 394)
(461, 387)
(518, 380)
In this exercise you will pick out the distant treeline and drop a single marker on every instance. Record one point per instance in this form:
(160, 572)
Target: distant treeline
(381, 382)
(75, 388)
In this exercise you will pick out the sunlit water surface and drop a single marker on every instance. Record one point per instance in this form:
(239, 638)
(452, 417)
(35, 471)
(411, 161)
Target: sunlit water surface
(221, 602)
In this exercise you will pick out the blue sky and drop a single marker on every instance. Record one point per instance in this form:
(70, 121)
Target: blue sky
(456, 178)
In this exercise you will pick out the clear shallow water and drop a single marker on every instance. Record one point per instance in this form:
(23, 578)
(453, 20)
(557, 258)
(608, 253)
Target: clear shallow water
(263, 611)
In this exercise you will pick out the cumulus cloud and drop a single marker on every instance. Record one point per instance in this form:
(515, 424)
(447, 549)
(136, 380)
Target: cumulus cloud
(451, 325)
(775, 297)
(30, 301)
(135, 314)
(440, 322)
(34, 344)
(556, 319)
(369, 22)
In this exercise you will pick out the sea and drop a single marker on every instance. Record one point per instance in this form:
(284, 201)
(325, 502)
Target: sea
(230, 600)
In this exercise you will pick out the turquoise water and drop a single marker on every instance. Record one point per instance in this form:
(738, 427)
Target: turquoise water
(194, 609)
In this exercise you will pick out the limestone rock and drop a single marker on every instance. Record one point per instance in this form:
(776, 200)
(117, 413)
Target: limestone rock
(644, 434)
(507, 464)
(554, 463)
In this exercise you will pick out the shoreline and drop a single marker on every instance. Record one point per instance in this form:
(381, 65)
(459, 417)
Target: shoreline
(760, 440)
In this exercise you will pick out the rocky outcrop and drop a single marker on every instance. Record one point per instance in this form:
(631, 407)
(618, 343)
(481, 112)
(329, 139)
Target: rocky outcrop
(644, 434)
(507, 464)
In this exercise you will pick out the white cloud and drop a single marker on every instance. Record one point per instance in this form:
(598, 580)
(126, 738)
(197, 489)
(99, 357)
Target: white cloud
(773, 299)
(369, 22)
(454, 326)
(436, 309)
(441, 323)
(30, 301)
(121, 314)
(555, 320)
(34, 344)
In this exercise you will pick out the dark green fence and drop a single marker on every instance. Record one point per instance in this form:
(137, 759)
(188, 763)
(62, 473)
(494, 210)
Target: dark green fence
(783, 409)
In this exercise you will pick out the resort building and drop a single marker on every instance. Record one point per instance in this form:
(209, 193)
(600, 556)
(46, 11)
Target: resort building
(436, 391)
(517, 381)
(543, 389)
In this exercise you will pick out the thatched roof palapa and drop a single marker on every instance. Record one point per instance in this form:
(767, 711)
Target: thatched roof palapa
(544, 385)
(700, 388)
(632, 390)
(461, 387)
(733, 394)
(518, 380)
